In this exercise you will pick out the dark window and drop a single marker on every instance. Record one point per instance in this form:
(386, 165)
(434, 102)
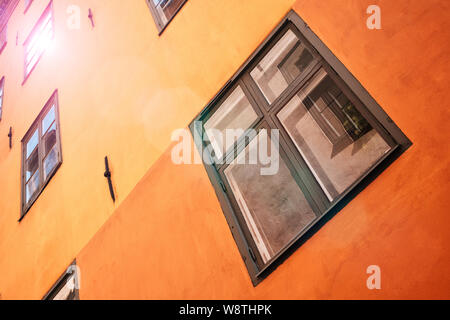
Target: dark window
(67, 286)
(41, 153)
(331, 136)
(3, 38)
(163, 11)
(2, 94)
(39, 40)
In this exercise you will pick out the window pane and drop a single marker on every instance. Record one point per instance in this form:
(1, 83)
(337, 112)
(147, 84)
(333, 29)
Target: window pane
(235, 112)
(38, 45)
(273, 206)
(285, 61)
(48, 120)
(49, 139)
(335, 140)
(50, 162)
(32, 164)
(32, 143)
(41, 39)
(32, 186)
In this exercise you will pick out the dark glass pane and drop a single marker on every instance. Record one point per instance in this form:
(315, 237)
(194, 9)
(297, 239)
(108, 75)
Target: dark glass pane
(166, 9)
(281, 66)
(32, 143)
(50, 162)
(32, 164)
(273, 206)
(32, 186)
(49, 140)
(48, 120)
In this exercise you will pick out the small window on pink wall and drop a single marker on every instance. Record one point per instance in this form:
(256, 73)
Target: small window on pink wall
(39, 40)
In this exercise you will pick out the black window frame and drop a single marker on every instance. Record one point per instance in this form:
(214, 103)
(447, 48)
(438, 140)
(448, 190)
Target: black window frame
(55, 289)
(33, 33)
(160, 25)
(37, 125)
(366, 104)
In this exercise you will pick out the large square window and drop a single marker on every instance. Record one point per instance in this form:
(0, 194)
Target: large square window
(27, 4)
(296, 105)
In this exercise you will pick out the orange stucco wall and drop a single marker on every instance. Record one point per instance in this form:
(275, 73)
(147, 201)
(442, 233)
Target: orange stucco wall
(122, 91)
(169, 238)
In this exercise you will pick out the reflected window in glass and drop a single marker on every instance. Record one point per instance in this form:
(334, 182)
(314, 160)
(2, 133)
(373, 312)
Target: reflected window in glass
(334, 139)
(287, 60)
(273, 206)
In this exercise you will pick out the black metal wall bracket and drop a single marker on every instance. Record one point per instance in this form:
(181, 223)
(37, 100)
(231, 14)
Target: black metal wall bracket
(91, 17)
(107, 175)
(10, 137)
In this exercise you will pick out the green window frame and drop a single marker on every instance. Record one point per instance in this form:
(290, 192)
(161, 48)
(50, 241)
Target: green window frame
(43, 30)
(346, 117)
